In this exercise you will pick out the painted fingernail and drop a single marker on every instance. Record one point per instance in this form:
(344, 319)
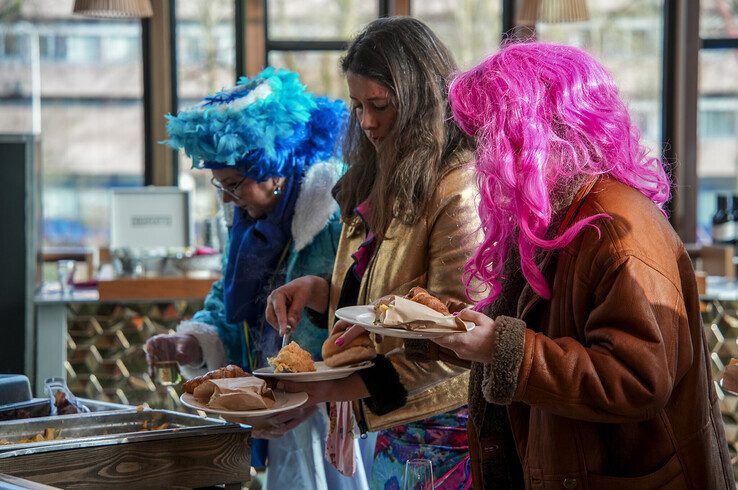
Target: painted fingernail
(340, 342)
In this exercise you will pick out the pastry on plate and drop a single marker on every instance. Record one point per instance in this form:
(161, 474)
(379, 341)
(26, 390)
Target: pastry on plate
(236, 394)
(420, 295)
(416, 295)
(292, 359)
(230, 371)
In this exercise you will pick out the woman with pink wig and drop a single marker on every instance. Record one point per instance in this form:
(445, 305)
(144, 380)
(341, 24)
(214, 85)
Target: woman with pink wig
(589, 362)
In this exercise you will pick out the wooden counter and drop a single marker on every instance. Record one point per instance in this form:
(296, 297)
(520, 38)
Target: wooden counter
(184, 287)
(108, 450)
(191, 462)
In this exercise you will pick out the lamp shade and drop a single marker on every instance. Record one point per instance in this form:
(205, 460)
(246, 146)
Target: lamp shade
(113, 8)
(551, 11)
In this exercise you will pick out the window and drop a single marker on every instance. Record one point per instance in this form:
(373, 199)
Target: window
(206, 59)
(334, 22)
(641, 42)
(717, 149)
(90, 115)
(60, 47)
(14, 45)
(119, 49)
(318, 19)
(717, 121)
(626, 38)
(471, 28)
(644, 115)
(46, 46)
(719, 18)
(319, 70)
(83, 49)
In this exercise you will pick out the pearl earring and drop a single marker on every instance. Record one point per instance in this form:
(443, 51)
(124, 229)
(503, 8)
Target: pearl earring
(277, 191)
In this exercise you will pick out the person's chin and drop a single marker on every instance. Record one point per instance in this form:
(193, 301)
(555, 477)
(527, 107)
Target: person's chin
(253, 213)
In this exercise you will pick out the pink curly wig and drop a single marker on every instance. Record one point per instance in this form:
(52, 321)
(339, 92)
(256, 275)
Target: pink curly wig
(544, 116)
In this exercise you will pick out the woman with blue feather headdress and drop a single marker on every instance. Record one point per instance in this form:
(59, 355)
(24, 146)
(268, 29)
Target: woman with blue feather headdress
(273, 150)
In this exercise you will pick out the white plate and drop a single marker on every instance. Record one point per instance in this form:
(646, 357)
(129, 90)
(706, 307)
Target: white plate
(321, 373)
(284, 401)
(364, 316)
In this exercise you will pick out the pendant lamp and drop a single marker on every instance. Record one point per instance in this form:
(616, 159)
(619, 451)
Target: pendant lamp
(113, 8)
(552, 11)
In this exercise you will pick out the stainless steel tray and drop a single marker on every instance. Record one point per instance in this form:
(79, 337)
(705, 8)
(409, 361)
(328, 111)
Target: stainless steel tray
(100, 406)
(104, 429)
(41, 407)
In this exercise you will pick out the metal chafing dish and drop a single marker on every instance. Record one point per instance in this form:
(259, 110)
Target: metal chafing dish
(102, 429)
(114, 449)
(41, 407)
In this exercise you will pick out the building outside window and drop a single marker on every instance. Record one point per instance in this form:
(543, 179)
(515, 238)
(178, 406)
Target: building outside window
(471, 29)
(717, 150)
(86, 75)
(316, 20)
(206, 62)
(626, 37)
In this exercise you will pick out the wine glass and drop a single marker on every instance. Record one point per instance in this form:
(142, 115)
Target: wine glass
(167, 373)
(65, 273)
(418, 475)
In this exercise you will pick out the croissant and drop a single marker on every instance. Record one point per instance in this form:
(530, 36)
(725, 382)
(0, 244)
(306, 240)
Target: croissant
(230, 371)
(420, 295)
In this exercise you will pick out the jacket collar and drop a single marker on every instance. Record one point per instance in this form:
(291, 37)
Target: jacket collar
(315, 205)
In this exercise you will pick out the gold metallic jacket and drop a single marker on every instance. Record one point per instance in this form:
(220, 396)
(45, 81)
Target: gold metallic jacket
(430, 254)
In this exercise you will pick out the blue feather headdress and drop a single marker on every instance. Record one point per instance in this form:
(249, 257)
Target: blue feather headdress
(266, 126)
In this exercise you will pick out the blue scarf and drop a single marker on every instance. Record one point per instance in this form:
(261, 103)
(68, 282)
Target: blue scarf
(256, 248)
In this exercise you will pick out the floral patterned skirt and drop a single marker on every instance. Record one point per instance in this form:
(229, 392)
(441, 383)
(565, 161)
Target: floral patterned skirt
(441, 439)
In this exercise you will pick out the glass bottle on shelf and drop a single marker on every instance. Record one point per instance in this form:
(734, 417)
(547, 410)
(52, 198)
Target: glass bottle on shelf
(734, 210)
(723, 226)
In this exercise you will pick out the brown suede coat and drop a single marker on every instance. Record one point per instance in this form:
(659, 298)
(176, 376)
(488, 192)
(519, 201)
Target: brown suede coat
(608, 384)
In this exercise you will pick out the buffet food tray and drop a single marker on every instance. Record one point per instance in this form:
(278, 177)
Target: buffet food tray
(105, 429)
(41, 407)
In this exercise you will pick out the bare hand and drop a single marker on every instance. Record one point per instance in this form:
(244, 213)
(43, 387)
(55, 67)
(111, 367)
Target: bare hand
(184, 349)
(476, 345)
(285, 304)
(279, 424)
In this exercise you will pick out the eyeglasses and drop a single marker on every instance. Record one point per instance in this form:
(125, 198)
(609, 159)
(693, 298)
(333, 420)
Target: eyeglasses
(230, 190)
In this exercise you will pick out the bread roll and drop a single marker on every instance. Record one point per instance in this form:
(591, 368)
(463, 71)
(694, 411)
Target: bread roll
(359, 350)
